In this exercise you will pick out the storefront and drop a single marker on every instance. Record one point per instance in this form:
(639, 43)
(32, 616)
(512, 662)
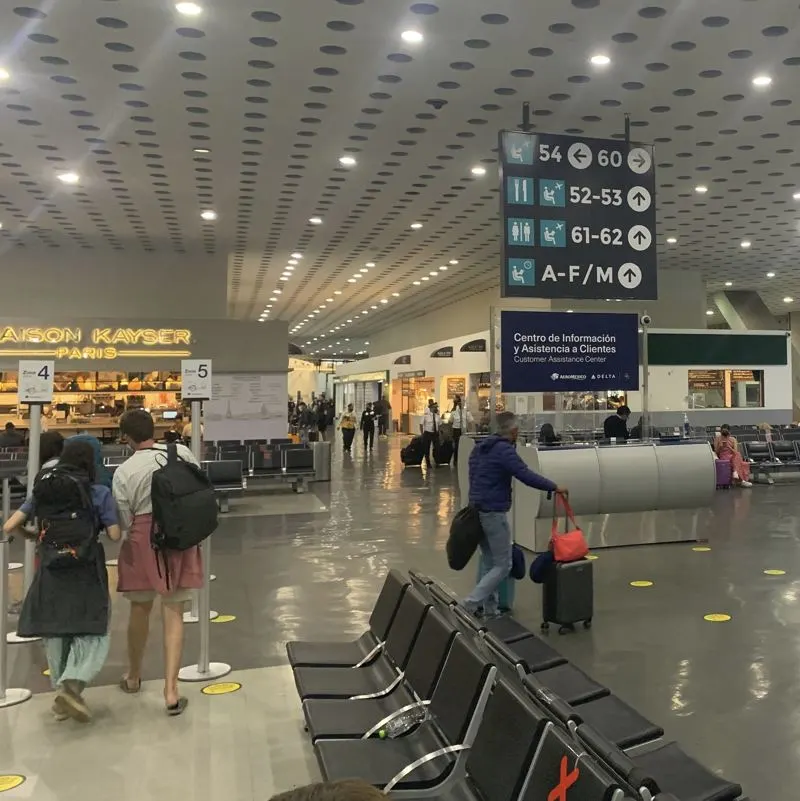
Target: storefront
(359, 389)
(103, 368)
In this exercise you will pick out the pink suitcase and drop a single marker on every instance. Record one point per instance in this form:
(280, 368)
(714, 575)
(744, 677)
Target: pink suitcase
(724, 473)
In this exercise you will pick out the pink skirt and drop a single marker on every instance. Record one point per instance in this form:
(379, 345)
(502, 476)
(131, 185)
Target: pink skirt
(138, 568)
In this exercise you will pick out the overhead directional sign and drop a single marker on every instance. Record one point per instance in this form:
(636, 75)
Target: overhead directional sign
(578, 218)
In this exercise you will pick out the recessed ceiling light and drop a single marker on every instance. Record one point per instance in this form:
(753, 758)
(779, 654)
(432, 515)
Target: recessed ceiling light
(416, 225)
(370, 264)
(276, 291)
(433, 272)
(762, 80)
(372, 307)
(315, 220)
(4, 74)
(292, 261)
(788, 300)
(337, 292)
(443, 267)
(671, 240)
(600, 60)
(363, 270)
(297, 255)
(69, 177)
(200, 150)
(395, 294)
(412, 37)
(273, 299)
(188, 9)
(770, 275)
(478, 170)
(701, 189)
(729, 283)
(709, 312)
(208, 214)
(569, 311)
(416, 283)
(453, 261)
(328, 300)
(347, 161)
(351, 280)
(425, 278)
(745, 243)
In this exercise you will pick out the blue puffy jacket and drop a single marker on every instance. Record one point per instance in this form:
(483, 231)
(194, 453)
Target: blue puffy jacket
(492, 465)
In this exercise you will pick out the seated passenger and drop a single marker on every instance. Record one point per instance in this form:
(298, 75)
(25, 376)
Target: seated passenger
(727, 448)
(11, 438)
(548, 436)
(616, 425)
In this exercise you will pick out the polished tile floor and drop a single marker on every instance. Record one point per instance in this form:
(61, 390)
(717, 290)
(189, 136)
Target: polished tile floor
(729, 692)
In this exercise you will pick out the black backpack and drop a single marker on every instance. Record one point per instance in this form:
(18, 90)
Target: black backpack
(184, 505)
(68, 521)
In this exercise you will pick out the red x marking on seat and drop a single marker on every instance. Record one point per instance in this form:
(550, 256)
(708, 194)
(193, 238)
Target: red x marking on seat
(565, 781)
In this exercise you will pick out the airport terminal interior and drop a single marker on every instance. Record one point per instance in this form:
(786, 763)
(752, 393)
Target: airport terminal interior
(341, 249)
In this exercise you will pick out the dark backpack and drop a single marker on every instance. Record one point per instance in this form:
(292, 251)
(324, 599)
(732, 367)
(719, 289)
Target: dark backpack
(68, 521)
(466, 534)
(184, 504)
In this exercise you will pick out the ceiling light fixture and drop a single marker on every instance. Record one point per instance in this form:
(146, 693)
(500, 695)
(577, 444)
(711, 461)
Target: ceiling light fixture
(453, 261)
(208, 215)
(416, 283)
(600, 60)
(412, 37)
(351, 280)
(370, 264)
(788, 300)
(395, 294)
(292, 261)
(315, 220)
(762, 80)
(328, 300)
(671, 240)
(337, 292)
(69, 177)
(297, 255)
(770, 275)
(745, 243)
(383, 300)
(443, 267)
(189, 9)
(416, 225)
(347, 161)
(200, 150)
(701, 189)
(478, 170)
(729, 283)
(4, 74)
(709, 312)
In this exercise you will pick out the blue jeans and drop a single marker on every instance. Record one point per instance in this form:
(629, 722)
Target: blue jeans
(495, 551)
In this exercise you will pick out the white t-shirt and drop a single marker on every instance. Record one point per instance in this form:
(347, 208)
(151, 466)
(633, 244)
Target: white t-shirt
(133, 479)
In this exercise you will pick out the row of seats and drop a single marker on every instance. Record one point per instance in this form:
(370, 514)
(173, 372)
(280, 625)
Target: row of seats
(507, 718)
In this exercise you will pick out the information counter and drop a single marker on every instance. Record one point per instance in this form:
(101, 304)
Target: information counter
(634, 494)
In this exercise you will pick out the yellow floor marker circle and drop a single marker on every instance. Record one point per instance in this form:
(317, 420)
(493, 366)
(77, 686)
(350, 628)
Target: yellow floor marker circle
(591, 556)
(10, 782)
(222, 688)
(774, 572)
(701, 548)
(717, 618)
(641, 584)
(224, 619)
(46, 672)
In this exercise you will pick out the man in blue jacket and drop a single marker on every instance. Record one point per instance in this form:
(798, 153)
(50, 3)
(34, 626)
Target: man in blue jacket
(492, 465)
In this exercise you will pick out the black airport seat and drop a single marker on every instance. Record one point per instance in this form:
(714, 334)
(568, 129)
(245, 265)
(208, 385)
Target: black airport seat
(785, 452)
(226, 476)
(504, 628)
(560, 763)
(288, 445)
(416, 762)
(229, 443)
(252, 442)
(757, 452)
(352, 719)
(367, 646)
(299, 460)
(571, 683)
(265, 461)
(233, 454)
(791, 435)
(383, 674)
(535, 654)
(280, 441)
(665, 769)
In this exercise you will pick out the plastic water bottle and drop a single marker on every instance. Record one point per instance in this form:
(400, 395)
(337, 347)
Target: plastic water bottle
(403, 724)
(687, 429)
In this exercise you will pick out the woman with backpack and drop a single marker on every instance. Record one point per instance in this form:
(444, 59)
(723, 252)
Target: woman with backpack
(68, 604)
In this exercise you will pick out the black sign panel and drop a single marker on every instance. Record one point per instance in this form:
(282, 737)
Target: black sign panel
(578, 218)
(403, 359)
(474, 346)
(443, 353)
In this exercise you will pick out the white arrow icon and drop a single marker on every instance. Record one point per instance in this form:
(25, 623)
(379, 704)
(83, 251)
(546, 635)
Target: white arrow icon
(639, 237)
(579, 155)
(639, 160)
(629, 275)
(639, 198)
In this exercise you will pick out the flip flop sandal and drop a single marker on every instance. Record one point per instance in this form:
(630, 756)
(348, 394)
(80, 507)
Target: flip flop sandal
(126, 687)
(178, 708)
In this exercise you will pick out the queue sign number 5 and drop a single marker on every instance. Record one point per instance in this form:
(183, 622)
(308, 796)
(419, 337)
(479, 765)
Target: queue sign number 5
(196, 377)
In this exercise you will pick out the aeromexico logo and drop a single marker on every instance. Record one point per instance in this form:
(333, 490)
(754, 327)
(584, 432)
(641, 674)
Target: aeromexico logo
(560, 377)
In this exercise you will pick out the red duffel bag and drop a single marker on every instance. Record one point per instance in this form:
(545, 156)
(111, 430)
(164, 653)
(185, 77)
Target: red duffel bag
(570, 545)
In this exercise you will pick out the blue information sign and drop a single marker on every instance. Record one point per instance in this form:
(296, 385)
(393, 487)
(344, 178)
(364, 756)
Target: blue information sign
(563, 352)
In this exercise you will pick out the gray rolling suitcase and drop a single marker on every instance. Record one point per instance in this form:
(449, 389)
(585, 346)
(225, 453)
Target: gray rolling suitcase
(568, 595)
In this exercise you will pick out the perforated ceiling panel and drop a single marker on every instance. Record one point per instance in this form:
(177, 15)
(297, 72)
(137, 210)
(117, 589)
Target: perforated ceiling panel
(246, 109)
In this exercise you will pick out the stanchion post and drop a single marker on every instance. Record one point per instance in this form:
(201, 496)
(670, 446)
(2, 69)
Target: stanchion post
(645, 378)
(196, 374)
(35, 431)
(8, 696)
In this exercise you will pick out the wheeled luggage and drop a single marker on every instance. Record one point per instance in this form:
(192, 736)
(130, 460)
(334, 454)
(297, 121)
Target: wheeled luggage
(413, 453)
(443, 452)
(568, 595)
(724, 473)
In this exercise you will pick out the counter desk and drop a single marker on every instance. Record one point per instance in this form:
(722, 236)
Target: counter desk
(628, 494)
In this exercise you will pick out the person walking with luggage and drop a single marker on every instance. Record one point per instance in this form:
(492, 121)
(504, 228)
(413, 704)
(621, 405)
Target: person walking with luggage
(492, 465)
(68, 604)
(431, 423)
(142, 577)
(368, 427)
(459, 420)
(347, 424)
